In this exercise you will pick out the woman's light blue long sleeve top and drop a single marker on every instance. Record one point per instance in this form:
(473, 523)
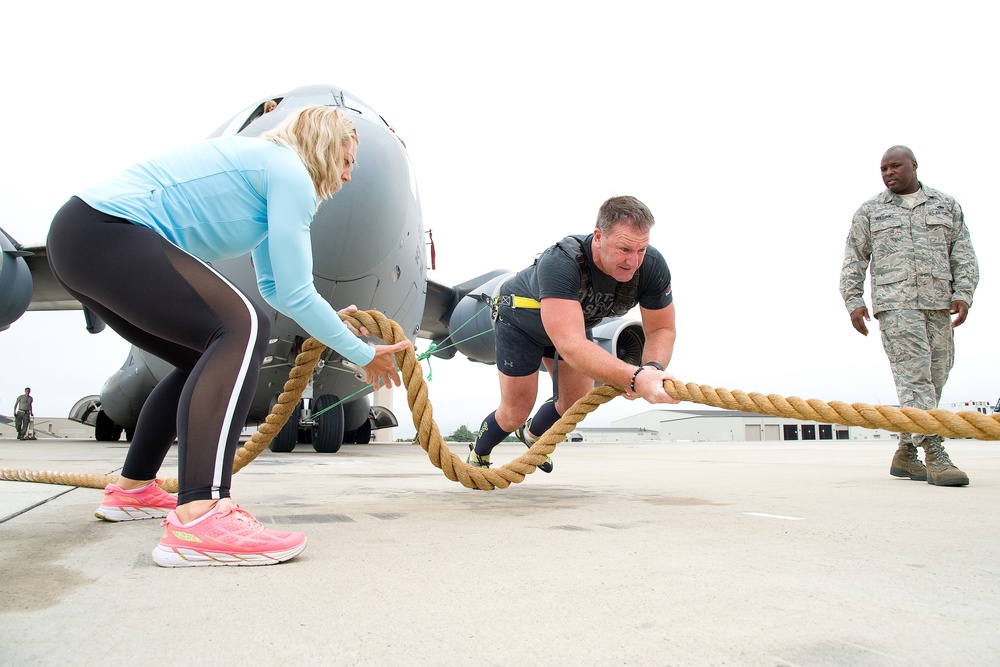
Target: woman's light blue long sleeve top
(225, 197)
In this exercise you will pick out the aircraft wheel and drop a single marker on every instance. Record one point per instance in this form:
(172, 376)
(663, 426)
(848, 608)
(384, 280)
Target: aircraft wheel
(329, 432)
(362, 435)
(288, 436)
(105, 429)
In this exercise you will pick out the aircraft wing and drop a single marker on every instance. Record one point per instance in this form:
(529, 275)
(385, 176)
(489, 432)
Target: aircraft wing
(438, 306)
(441, 302)
(27, 283)
(46, 292)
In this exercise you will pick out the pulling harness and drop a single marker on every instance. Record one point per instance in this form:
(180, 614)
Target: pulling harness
(625, 293)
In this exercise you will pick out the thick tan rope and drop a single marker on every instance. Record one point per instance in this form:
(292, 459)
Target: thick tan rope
(945, 423)
(298, 379)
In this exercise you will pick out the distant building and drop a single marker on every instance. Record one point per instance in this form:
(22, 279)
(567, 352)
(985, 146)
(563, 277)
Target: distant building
(724, 426)
(984, 407)
(615, 434)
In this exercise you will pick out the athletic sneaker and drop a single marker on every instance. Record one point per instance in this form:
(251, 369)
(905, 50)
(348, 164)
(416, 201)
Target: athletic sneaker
(522, 435)
(227, 535)
(149, 502)
(477, 461)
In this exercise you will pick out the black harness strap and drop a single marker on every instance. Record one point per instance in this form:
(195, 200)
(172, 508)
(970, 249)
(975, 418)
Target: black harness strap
(625, 293)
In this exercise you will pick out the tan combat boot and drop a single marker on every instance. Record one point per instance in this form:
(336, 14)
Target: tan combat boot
(940, 470)
(905, 463)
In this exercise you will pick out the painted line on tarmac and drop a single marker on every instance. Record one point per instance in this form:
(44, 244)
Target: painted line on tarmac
(775, 516)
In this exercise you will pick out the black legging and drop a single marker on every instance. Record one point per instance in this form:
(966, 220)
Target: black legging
(173, 305)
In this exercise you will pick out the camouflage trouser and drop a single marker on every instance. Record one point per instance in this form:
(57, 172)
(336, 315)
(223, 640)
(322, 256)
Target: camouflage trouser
(21, 420)
(920, 345)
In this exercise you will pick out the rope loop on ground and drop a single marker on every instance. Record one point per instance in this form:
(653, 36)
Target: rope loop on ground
(942, 422)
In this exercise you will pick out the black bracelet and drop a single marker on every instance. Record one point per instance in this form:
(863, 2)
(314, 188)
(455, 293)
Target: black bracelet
(637, 371)
(654, 364)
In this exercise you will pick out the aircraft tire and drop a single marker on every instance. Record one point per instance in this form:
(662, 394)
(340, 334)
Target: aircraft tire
(105, 429)
(362, 435)
(288, 436)
(329, 430)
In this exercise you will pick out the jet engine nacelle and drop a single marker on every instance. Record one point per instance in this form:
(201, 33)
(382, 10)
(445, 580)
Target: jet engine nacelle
(15, 282)
(623, 338)
(124, 392)
(471, 323)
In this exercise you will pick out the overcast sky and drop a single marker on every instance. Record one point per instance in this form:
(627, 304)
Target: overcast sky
(753, 131)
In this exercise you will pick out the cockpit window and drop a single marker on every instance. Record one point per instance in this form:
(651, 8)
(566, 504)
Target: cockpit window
(264, 107)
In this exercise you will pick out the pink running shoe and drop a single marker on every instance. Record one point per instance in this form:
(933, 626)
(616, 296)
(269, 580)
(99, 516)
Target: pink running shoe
(149, 502)
(225, 536)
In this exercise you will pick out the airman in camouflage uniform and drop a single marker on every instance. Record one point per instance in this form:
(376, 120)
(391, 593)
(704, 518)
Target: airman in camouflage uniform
(923, 270)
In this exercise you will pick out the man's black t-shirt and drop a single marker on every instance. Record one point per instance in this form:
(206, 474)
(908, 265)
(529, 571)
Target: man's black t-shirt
(556, 274)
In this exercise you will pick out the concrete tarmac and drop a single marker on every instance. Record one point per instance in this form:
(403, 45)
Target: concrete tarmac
(627, 554)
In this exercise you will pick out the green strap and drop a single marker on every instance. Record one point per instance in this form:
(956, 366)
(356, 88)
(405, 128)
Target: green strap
(343, 400)
(436, 347)
(425, 356)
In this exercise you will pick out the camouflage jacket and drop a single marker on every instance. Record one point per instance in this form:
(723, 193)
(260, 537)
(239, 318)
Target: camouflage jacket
(921, 258)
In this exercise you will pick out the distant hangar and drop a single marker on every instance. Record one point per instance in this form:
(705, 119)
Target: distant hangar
(724, 426)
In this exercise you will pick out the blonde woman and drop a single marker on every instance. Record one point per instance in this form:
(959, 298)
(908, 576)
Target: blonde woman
(134, 251)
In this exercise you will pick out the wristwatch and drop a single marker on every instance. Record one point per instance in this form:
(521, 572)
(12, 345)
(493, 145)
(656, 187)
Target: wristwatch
(654, 365)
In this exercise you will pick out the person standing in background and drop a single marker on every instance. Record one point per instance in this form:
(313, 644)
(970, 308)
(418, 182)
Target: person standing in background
(23, 412)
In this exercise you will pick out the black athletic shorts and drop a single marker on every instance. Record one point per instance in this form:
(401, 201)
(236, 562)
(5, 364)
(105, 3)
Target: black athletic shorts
(518, 354)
